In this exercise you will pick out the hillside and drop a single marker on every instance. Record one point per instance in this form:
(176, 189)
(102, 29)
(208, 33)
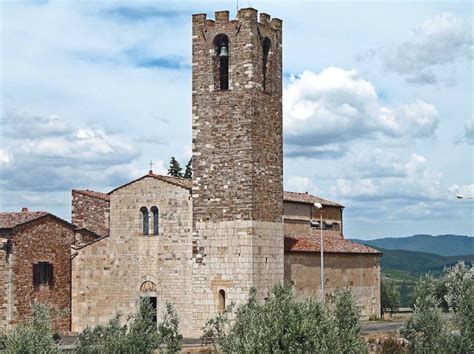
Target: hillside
(443, 245)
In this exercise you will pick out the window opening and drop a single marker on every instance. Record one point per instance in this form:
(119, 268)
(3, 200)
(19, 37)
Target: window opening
(266, 50)
(156, 220)
(43, 274)
(221, 47)
(221, 305)
(144, 214)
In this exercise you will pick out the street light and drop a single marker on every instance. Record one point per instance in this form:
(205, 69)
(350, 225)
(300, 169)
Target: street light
(460, 196)
(321, 240)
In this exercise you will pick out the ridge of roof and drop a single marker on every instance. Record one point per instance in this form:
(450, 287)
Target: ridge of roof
(91, 193)
(331, 245)
(308, 199)
(10, 220)
(177, 181)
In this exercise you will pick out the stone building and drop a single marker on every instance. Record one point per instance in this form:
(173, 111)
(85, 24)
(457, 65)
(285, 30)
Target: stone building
(34, 266)
(203, 243)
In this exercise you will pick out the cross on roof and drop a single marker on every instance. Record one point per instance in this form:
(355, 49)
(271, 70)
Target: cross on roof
(151, 167)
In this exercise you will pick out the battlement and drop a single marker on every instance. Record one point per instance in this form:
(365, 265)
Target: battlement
(246, 14)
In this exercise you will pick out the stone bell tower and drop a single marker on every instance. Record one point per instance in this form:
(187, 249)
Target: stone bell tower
(237, 158)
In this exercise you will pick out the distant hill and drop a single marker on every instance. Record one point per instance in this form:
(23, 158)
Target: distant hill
(443, 245)
(415, 264)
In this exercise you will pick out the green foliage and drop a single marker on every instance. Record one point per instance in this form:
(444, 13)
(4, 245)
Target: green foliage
(390, 296)
(392, 345)
(286, 324)
(188, 173)
(425, 331)
(138, 335)
(175, 168)
(34, 337)
(168, 330)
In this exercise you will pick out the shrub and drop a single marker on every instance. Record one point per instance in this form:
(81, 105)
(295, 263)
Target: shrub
(286, 324)
(36, 336)
(390, 296)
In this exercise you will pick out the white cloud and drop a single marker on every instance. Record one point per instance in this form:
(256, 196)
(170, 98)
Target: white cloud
(468, 133)
(439, 40)
(54, 156)
(412, 180)
(466, 190)
(337, 106)
(301, 184)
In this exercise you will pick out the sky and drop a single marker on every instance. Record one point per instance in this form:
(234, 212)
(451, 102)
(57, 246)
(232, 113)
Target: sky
(377, 104)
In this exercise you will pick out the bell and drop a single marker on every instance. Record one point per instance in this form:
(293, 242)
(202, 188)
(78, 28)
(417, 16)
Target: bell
(223, 52)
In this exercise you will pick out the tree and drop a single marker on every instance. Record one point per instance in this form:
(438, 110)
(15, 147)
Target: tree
(138, 334)
(34, 337)
(175, 168)
(188, 173)
(286, 324)
(168, 330)
(425, 330)
(390, 296)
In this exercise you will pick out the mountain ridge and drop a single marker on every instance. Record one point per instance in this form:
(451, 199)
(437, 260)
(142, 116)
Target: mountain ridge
(442, 245)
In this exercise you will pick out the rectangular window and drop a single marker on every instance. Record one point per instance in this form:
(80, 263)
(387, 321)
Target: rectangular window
(43, 274)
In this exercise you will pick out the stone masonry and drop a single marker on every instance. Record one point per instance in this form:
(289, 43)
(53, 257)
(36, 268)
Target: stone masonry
(109, 274)
(42, 239)
(90, 210)
(237, 161)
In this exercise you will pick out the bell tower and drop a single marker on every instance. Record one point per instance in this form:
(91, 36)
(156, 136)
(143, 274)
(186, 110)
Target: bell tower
(237, 158)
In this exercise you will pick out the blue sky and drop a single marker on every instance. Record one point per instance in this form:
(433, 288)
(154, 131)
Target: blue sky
(378, 108)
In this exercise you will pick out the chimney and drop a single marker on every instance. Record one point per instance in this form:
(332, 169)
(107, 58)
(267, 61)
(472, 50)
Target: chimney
(24, 210)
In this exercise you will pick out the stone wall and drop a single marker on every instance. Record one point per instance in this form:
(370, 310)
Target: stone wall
(90, 211)
(237, 162)
(3, 288)
(43, 240)
(358, 272)
(108, 274)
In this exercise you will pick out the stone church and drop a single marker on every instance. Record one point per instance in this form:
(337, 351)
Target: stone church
(204, 243)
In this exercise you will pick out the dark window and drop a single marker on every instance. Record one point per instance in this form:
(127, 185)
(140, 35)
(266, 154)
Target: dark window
(152, 300)
(221, 304)
(221, 62)
(144, 215)
(156, 220)
(43, 274)
(266, 50)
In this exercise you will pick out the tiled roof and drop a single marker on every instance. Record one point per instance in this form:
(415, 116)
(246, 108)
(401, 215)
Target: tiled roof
(92, 194)
(9, 220)
(177, 181)
(331, 245)
(308, 198)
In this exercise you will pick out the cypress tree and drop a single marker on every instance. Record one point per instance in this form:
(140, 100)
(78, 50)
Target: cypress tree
(189, 169)
(175, 168)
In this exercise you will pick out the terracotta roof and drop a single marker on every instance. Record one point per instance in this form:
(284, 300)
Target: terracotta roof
(331, 245)
(9, 220)
(177, 181)
(308, 199)
(92, 194)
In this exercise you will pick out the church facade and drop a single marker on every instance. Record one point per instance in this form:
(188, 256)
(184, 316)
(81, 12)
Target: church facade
(204, 243)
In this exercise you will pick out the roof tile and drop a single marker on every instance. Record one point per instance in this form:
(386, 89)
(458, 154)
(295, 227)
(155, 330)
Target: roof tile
(331, 245)
(9, 220)
(308, 198)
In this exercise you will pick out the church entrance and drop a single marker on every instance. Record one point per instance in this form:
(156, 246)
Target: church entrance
(148, 291)
(152, 300)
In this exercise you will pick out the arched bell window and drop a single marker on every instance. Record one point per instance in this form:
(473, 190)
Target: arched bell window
(221, 62)
(265, 52)
(156, 220)
(144, 218)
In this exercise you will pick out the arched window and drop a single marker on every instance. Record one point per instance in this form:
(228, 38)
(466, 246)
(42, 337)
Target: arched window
(221, 62)
(266, 51)
(144, 215)
(221, 304)
(156, 220)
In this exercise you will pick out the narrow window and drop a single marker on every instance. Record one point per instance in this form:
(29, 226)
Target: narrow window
(221, 62)
(43, 274)
(221, 304)
(144, 215)
(156, 220)
(266, 50)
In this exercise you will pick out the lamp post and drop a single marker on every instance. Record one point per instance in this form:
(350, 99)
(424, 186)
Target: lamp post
(321, 240)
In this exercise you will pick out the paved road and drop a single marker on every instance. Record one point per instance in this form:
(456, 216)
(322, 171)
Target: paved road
(381, 326)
